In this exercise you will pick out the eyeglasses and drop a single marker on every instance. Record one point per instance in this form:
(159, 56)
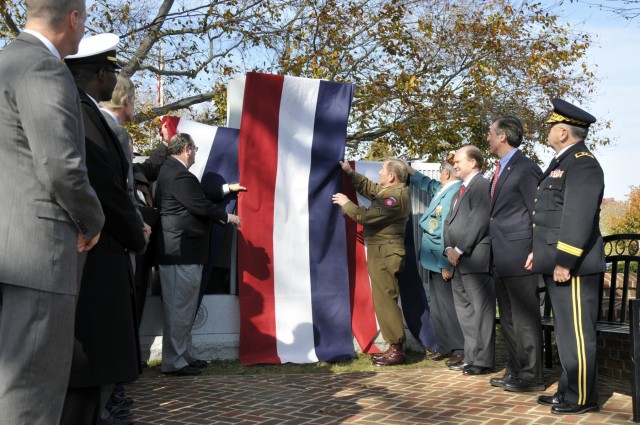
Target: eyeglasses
(194, 148)
(115, 71)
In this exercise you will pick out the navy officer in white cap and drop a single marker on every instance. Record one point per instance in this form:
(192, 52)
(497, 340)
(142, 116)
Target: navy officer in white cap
(568, 252)
(106, 348)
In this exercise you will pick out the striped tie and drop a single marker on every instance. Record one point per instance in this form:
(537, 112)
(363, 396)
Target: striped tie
(496, 175)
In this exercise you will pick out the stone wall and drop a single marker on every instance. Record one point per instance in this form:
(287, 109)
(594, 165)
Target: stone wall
(614, 356)
(216, 331)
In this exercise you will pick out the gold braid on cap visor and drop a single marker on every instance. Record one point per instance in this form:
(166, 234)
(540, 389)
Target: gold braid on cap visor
(556, 117)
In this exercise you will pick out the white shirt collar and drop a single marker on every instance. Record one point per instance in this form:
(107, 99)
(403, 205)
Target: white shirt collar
(111, 114)
(45, 41)
(185, 165)
(563, 151)
(93, 100)
(469, 177)
(449, 183)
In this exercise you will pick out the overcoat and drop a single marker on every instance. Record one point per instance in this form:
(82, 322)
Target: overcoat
(106, 349)
(432, 221)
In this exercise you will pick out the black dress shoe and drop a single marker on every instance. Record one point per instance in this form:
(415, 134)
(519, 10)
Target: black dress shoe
(574, 409)
(476, 370)
(519, 386)
(199, 364)
(185, 371)
(551, 400)
(458, 366)
(113, 421)
(499, 382)
(456, 358)
(121, 400)
(435, 356)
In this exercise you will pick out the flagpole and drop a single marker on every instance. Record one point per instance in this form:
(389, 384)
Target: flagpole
(160, 83)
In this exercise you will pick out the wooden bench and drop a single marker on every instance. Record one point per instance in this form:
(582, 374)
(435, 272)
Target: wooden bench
(618, 288)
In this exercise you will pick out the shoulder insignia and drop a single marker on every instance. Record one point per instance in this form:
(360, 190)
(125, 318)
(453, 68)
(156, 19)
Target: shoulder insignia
(390, 201)
(581, 154)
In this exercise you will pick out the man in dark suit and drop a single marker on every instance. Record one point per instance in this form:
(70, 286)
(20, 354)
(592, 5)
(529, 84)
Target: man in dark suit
(568, 251)
(466, 238)
(186, 213)
(513, 188)
(49, 212)
(106, 349)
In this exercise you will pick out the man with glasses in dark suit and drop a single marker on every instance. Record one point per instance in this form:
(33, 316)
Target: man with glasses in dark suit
(186, 214)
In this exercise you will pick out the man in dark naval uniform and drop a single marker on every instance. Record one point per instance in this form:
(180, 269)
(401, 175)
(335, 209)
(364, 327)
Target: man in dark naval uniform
(568, 252)
(384, 224)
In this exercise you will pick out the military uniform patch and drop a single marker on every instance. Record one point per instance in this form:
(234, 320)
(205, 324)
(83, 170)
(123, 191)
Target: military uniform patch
(438, 210)
(556, 174)
(581, 154)
(390, 201)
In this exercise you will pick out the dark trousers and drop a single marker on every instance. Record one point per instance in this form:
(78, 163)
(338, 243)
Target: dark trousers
(443, 315)
(143, 270)
(83, 406)
(519, 306)
(475, 300)
(575, 313)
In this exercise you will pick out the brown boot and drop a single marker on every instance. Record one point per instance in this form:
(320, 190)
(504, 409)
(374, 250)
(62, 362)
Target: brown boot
(393, 356)
(376, 356)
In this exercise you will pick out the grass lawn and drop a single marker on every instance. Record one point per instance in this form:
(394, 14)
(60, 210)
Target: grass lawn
(362, 363)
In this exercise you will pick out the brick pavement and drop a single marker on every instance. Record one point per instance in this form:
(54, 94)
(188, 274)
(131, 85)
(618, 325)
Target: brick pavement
(404, 396)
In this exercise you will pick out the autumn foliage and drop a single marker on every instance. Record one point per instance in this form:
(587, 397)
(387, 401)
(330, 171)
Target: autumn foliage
(429, 75)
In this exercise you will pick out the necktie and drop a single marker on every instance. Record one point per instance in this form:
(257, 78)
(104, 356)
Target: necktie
(496, 175)
(461, 191)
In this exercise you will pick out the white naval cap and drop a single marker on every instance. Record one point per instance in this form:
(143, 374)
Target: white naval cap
(96, 49)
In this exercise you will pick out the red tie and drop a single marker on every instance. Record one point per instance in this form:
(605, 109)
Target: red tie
(495, 179)
(461, 191)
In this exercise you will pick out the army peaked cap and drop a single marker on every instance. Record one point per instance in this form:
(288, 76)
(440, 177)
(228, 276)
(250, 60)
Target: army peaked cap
(567, 113)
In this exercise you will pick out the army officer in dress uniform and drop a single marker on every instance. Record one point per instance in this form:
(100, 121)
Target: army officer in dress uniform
(384, 224)
(568, 252)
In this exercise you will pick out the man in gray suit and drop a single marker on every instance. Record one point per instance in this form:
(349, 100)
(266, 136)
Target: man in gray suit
(467, 246)
(49, 212)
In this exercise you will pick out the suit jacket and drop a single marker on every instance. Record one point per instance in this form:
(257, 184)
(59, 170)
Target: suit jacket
(511, 212)
(123, 137)
(566, 221)
(106, 349)
(467, 226)
(185, 215)
(46, 196)
(144, 174)
(432, 221)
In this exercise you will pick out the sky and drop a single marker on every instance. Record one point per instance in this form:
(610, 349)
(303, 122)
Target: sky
(616, 52)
